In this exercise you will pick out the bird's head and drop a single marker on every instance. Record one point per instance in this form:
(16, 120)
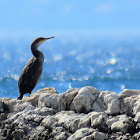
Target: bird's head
(38, 41)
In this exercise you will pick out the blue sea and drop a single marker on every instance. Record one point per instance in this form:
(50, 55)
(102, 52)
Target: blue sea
(104, 64)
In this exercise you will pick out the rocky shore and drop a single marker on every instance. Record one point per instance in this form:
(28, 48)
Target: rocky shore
(77, 114)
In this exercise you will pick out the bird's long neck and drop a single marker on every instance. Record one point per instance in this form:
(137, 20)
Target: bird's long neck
(38, 54)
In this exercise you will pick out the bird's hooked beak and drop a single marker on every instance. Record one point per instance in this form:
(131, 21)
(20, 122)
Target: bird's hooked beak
(48, 38)
(37, 42)
(45, 40)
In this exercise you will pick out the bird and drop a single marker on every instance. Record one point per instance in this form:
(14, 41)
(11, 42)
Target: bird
(31, 73)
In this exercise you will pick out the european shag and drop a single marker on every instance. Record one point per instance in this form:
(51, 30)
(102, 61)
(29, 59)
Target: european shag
(32, 71)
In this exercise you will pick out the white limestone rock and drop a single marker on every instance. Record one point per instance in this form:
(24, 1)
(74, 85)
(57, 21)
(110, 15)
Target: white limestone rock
(137, 136)
(56, 101)
(45, 111)
(69, 95)
(137, 117)
(90, 115)
(138, 126)
(112, 120)
(128, 93)
(120, 123)
(34, 118)
(120, 126)
(136, 107)
(42, 99)
(33, 99)
(49, 122)
(84, 100)
(93, 119)
(90, 137)
(59, 133)
(111, 102)
(128, 99)
(75, 124)
(98, 106)
(113, 107)
(10, 104)
(99, 136)
(47, 90)
(29, 108)
(21, 106)
(98, 119)
(85, 121)
(68, 119)
(81, 133)
(44, 94)
(1, 106)
(96, 135)
(127, 105)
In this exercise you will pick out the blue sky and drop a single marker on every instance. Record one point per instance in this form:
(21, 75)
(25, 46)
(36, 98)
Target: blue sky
(75, 18)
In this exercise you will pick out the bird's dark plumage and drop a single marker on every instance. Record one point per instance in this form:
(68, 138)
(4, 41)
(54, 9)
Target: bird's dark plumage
(32, 71)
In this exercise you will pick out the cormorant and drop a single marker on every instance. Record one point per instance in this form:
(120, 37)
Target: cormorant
(32, 71)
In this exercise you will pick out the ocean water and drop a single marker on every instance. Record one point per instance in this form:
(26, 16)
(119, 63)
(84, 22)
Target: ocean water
(106, 65)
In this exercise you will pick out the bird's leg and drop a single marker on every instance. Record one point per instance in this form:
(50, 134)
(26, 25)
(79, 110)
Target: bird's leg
(20, 96)
(30, 94)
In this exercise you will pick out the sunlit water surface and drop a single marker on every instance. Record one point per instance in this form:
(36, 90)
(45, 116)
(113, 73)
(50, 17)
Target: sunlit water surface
(101, 64)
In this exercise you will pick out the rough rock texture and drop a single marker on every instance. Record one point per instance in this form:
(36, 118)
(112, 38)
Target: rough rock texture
(84, 100)
(77, 114)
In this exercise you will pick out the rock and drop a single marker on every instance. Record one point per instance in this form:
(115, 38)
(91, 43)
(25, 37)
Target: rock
(111, 102)
(69, 95)
(129, 99)
(84, 114)
(66, 119)
(74, 124)
(6, 133)
(48, 90)
(21, 106)
(127, 105)
(121, 136)
(85, 121)
(138, 126)
(49, 122)
(120, 126)
(128, 93)
(18, 134)
(42, 99)
(98, 106)
(45, 111)
(3, 116)
(59, 133)
(5, 99)
(44, 135)
(90, 137)
(113, 107)
(10, 104)
(45, 93)
(1, 106)
(120, 123)
(137, 136)
(84, 100)
(56, 101)
(33, 99)
(99, 136)
(102, 98)
(137, 117)
(81, 133)
(92, 119)
(112, 120)
(136, 107)
(98, 120)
